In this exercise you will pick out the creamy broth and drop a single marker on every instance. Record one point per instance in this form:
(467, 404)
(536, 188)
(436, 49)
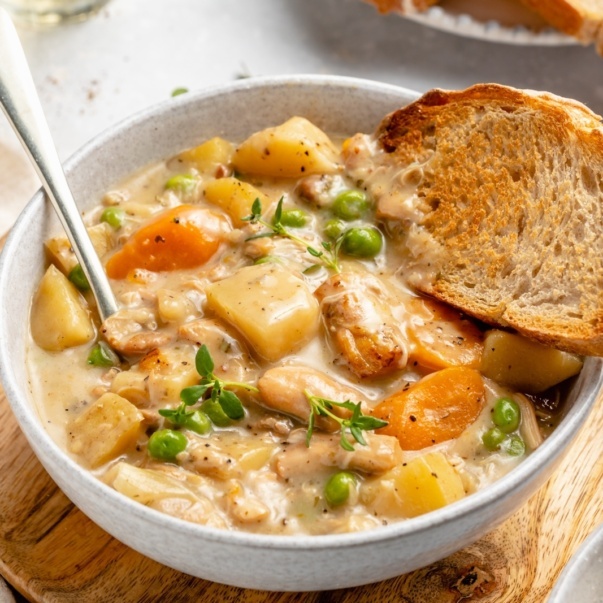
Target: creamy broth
(284, 326)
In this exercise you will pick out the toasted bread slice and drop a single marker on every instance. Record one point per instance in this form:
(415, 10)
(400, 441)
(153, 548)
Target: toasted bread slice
(499, 193)
(403, 7)
(582, 19)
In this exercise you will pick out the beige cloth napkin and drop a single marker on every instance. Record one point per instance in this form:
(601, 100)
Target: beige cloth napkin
(18, 179)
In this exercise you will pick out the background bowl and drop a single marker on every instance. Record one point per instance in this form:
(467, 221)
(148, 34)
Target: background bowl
(582, 578)
(340, 106)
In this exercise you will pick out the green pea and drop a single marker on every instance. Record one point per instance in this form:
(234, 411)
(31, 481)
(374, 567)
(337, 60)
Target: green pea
(493, 438)
(362, 242)
(294, 218)
(165, 444)
(215, 412)
(334, 228)
(113, 216)
(338, 488)
(198, 422)
(515, 446)
(102, 355)
(181, 182)
(350, 205)
(506, 415)
(78, 278)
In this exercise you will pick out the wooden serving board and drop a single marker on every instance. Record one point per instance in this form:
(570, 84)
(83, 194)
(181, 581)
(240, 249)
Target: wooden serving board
(51, 552)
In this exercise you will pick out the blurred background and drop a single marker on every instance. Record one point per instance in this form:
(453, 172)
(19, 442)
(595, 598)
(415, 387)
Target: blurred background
(134, 53)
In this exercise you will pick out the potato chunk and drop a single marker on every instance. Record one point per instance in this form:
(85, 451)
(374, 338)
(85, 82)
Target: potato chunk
(526, 365)
(169, 371)
(61, 254)
(59, 319)
(235, 197)
(273, 309)
(147, 485)
(423, 484)
(293, 149)
(105, 430)
(208, 156)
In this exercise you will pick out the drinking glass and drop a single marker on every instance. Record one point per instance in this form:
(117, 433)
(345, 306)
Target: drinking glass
(51, 12)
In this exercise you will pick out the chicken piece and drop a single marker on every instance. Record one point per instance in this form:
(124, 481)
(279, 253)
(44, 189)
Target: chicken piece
(357, 153)
(256, 248)
(283, 389)
(232, 361)
(318, 190)
(243, 506)
(167, 372)
(296, 460)
(357, 312)
(207, 458)
(132, 332)
(151, 418)
(227, 455)
(398, 203)
(281, 426)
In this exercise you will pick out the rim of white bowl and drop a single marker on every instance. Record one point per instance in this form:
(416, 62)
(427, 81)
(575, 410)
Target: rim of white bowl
(584, 563)
(547, 454)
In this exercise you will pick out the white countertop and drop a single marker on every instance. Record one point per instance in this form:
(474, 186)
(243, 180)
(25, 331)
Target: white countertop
(135, 52)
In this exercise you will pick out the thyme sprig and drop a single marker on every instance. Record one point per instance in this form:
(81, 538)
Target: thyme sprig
(354, 425)
(179, 415)
(209, 388)
(328, 255)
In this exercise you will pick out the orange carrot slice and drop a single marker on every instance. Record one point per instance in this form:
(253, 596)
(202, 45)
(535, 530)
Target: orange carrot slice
(440, 337)
(185, 236)
(437, 408)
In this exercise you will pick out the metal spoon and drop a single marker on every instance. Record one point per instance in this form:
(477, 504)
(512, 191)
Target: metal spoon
(20, 102)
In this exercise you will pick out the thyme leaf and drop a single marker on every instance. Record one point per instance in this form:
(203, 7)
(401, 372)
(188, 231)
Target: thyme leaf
(353, 425)
(204, 362)
(177, 415)
(210, 387)
(329, 255)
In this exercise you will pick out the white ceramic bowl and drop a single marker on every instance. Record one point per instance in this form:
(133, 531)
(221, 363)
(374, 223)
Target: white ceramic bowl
(339, 105)
(582, 578)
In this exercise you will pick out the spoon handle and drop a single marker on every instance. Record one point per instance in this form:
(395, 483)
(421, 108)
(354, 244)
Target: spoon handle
(20, 102)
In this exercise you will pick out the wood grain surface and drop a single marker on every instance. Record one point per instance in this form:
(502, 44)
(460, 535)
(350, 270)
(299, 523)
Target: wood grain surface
(51, 552)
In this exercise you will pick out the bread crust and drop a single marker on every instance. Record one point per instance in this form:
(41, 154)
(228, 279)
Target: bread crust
(509, 205)
(582, 19)
(402, 7)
